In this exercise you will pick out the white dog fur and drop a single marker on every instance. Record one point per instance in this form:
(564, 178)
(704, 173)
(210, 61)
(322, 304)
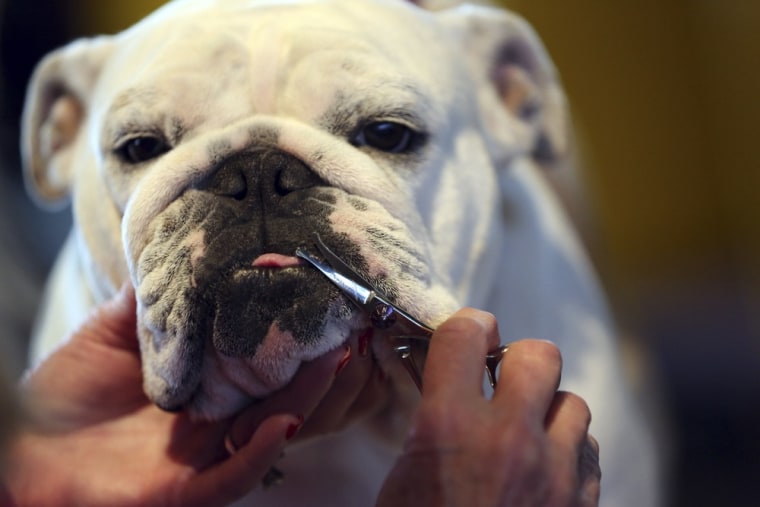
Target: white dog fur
(476, 223)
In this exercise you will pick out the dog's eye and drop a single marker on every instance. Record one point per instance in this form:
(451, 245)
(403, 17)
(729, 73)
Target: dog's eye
(141, 149)
(386, 136)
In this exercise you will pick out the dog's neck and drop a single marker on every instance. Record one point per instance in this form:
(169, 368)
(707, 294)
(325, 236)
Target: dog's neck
(539, 253)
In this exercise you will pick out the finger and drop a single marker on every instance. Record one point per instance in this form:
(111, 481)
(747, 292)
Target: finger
(301, 396)
(349, 389)
(528, 379)
(114, 322)
(242, 472)
(567, 424)
(373, 397)
(568, 419)
(455, 362)
(590, 474)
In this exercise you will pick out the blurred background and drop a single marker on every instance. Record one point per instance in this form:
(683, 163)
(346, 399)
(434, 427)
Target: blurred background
(664, 95)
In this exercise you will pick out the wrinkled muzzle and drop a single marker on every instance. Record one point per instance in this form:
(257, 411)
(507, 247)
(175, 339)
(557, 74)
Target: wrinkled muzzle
(226, 312)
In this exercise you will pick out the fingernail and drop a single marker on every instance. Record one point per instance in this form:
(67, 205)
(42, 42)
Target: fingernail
(293, 428)
(344, 361)
(363, 344)
(121, 293)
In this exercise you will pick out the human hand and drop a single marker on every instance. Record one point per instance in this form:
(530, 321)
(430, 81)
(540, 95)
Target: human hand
(357, 389)
(95, 438)
(527, 446)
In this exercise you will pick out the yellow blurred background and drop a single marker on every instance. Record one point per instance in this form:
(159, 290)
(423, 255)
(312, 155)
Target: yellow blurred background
(664, 96)
(665, 101)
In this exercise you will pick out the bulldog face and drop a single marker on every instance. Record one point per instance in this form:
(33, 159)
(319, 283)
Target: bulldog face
(207, 143)
(226, 311)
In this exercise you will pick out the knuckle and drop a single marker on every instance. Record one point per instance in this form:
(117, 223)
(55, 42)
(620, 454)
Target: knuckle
(486, 320)
(470, 320)
(470, 325)
(460, 326)
(541, 352)
(581, 408)
(578, 407)
(547, 350)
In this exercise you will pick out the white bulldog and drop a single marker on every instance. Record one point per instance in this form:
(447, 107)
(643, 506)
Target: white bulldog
(202, 146)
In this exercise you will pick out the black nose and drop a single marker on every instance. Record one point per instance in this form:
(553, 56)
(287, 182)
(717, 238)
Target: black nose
(261, 174)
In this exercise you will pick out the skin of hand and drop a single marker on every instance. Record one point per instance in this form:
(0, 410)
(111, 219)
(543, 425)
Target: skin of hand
(527, 445)
(95, 439)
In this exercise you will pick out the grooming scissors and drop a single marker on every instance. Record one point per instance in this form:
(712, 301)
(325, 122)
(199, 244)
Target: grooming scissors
(404, 330)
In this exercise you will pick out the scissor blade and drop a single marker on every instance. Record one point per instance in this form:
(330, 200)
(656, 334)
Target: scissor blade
(363, 293)
(338, 264)
(350, 287)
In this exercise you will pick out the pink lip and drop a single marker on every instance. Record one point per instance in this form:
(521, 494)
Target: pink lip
(273, 260)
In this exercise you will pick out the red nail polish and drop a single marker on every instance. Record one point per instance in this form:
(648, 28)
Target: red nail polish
(344, 361)
(363, 345)
(293, 428)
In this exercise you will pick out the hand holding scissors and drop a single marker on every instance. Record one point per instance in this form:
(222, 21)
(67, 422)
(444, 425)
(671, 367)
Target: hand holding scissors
(404, 330)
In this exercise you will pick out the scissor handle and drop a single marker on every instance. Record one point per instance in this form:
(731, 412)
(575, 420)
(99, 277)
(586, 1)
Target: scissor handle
(493, 359)
(404, 351)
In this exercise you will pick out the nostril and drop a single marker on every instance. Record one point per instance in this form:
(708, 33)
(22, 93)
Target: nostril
(229, 184)
(237, 187)
(293, 176)
(264, 173)
(282, 183)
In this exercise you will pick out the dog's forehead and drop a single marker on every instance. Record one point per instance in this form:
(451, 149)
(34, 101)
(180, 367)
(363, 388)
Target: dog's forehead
(267, 52)
(286, 32)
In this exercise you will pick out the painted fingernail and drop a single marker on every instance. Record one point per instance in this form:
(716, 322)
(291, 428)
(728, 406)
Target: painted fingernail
(363, 344)
(344, 361)
(293, 428)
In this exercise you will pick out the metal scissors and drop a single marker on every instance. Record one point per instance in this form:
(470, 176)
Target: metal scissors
(405, 330)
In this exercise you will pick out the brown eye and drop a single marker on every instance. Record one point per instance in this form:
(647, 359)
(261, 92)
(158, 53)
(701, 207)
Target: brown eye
(386, 136)
(141, 149)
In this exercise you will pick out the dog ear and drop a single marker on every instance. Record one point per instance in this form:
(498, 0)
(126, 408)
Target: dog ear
(522, 102)
(56, 105)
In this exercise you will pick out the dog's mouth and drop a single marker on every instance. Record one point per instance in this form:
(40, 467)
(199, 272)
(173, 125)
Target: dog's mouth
(274, 294)
(276, 261)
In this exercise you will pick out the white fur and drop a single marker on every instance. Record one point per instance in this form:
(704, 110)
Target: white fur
(481, 227)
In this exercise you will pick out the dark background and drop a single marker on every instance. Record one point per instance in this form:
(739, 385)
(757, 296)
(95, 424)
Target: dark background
(667, 119)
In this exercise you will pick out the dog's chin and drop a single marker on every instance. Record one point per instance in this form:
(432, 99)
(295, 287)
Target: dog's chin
(228, 384)
(253, 303)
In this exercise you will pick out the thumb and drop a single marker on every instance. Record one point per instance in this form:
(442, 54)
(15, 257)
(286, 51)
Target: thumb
(243, 471)
(114, 322)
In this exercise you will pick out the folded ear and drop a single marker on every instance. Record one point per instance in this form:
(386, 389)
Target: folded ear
(522, 103)
(57, 103)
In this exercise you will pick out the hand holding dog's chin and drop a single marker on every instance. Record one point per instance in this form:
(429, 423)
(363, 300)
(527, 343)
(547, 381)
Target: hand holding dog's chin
(330, 393)
(527, 446)
(95, 439)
